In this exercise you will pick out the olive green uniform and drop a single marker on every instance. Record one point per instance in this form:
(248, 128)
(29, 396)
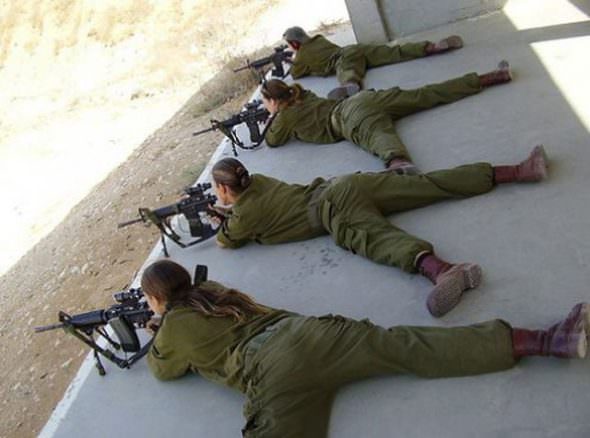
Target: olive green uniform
(352, 208)
(290, 367)
(367, 119)
(320, 57)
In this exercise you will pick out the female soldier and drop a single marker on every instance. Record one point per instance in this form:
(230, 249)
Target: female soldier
(290, 366)
(366, 119)
(317, 56)
(353, 209)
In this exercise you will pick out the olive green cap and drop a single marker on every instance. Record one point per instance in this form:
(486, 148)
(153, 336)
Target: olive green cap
(296, 34)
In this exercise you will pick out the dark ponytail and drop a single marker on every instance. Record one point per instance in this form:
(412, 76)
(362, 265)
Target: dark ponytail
(170, 283)
(231, 173)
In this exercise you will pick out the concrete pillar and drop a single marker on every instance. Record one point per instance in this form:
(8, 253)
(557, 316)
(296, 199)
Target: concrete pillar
(378, 21)
(367, 22)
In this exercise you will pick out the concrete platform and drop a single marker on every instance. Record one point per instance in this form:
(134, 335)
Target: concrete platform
(531, 240)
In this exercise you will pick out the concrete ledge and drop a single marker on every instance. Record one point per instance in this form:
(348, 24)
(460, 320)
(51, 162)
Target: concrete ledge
(380, 21)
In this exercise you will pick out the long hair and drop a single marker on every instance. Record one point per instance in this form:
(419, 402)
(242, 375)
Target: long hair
(171, 283)
(232, 173)
(287, 95)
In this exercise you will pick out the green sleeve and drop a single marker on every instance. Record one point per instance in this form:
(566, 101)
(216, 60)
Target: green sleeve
(164, 362)
(298, 70)
(234, 234)
(278, 134)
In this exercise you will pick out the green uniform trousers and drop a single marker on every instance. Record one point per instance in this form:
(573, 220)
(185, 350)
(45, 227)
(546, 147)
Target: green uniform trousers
(354, 60)
(367, 118)
(353, 208)
(296, 373)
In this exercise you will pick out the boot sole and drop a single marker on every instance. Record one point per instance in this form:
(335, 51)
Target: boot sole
(582, 349)
(505, 66)
(578, 340)
(405, 170)
(446, 295)
(540, 162)
(454, 42)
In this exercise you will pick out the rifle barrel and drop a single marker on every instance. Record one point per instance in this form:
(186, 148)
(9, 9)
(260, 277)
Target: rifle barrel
(132, 221)
(241, 68)
(49, 327)
(202, 131)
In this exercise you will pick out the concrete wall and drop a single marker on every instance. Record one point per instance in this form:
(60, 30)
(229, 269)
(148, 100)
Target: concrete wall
(379, 21)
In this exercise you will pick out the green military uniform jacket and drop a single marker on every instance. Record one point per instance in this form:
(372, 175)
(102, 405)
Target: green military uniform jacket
(316, 57)
(211, 346)
(270, 211)
(307, 120)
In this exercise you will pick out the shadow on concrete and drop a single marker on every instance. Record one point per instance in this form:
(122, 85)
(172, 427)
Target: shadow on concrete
(582, 5)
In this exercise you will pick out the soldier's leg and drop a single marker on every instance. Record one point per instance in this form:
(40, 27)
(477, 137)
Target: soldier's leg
(333, 350)
(378, 55)
(351, 66)
(356, 224)
(348, 350)
(374, 237)
(284, 398)
(305, 413)
(377, 134)
(360, 228)
(391, 193)
(400, 103)
(341, 350)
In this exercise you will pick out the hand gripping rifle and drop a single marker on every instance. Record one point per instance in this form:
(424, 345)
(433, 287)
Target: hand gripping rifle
(279, 56)
(124, 317)
(195, 203)
(131, 312)
(251, 115)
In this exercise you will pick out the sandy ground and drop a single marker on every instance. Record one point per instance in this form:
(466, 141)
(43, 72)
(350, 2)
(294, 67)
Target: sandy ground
(83, 84)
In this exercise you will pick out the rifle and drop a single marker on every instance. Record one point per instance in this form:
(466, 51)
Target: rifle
(129, 313)
(277, 58)
(251, 115)
(123, 317)
(195, 203)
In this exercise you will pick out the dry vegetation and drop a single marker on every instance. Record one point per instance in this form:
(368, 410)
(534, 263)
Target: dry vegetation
(84, 260)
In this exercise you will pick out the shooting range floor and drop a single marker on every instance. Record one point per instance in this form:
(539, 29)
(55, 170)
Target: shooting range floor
(531, 240)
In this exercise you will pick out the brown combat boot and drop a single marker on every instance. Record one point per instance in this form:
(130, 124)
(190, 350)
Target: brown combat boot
(344, 91)
(499, 76)
(533, 169)
(450, 281)
(567, 339)
(402, 166)
(453, 42)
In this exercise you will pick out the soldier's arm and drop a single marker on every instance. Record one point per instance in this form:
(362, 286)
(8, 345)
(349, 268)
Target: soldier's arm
(277, 134)
(233, 233)
(298, 70)
(397, 146)
(164, 362)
